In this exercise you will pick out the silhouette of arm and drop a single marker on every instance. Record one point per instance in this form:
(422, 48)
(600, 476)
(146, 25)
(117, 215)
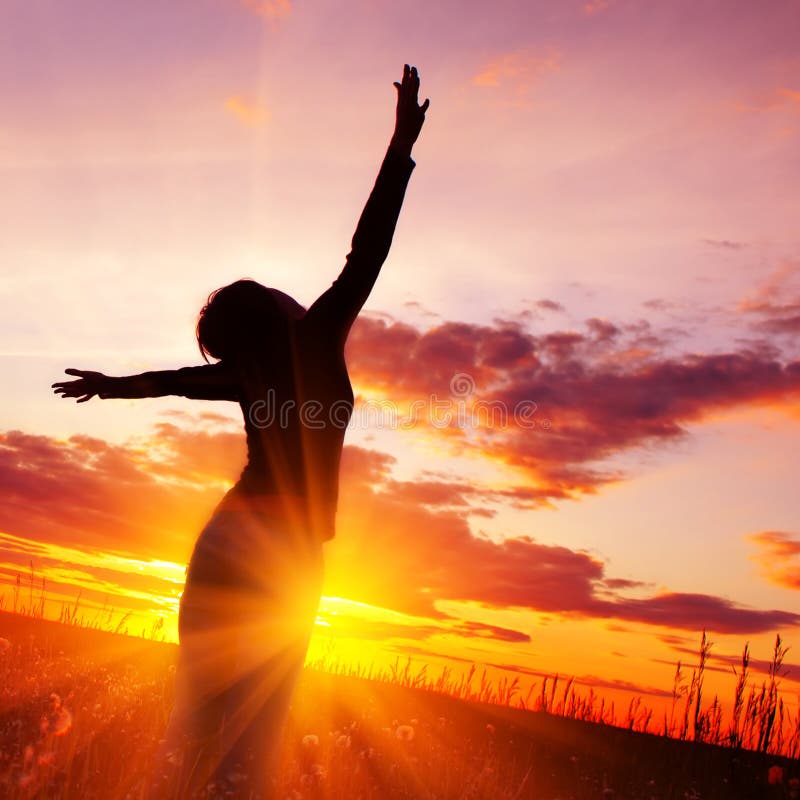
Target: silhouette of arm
(336, 309)
(205, 382)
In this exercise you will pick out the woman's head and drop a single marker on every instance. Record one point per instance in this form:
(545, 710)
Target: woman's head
(245, 318)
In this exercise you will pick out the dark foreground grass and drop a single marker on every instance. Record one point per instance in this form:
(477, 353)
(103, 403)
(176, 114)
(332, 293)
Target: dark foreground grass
(82, 711)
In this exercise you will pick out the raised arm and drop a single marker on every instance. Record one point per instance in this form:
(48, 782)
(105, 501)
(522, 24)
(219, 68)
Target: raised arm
(205, 382)
(336, 309)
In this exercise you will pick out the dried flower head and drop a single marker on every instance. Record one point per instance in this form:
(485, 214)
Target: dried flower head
(405, 733)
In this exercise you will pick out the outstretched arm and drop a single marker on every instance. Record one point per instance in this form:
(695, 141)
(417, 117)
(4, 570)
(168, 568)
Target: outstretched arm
(337, 308)
(206, 382)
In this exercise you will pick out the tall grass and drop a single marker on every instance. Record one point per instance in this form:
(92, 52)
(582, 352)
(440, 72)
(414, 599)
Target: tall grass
(105, 618)
(759, 719)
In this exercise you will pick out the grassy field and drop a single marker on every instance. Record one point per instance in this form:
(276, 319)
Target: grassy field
(82, 711)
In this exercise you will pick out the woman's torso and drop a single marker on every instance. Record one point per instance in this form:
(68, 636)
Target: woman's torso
(296, 407)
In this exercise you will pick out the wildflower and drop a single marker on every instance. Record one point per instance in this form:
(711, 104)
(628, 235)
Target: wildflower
(58, 719)
(774, 775)
(310, 740)
(61, 722)
(314, 776)
(490, 729)
(5, 645)
(405, 733)
(343, 741)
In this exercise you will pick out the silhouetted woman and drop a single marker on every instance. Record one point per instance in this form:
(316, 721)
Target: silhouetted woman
(254, 579)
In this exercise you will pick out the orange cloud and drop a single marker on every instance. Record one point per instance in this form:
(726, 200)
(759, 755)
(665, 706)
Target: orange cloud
(778, 557)
(781, 98)
(517, 72)
(361, 621)
(411, 541)
(149, 496)
(248, 112)
(270, 9)
(411, 555)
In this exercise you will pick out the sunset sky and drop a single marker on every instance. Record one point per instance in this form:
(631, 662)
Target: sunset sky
(602, 222)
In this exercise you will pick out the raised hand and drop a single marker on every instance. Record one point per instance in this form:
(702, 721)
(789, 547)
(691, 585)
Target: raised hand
(85, 387)
(410, 114)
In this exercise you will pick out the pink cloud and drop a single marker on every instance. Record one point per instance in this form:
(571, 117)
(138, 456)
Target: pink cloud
(776, 301)
(598, 392)
(593, 7)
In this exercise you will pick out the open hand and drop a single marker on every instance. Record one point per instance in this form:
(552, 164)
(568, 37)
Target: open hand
(85, 387)
(410, 115)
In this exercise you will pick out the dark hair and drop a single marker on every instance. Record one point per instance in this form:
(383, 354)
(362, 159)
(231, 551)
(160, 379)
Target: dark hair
(244, 318)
